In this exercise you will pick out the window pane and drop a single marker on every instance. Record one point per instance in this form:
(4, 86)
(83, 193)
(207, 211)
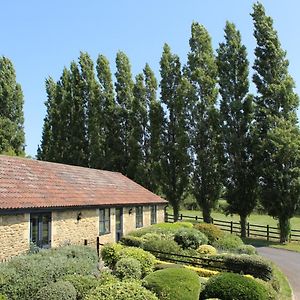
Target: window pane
(104, 220)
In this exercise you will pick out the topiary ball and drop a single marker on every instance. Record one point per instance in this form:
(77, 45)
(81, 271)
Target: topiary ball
(128, 268)
(60, 290)
(190, 238)
(207, 250)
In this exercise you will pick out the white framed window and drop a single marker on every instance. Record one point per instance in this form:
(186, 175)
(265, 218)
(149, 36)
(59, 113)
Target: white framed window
(139, 216)
(104, 221)
(153, 214)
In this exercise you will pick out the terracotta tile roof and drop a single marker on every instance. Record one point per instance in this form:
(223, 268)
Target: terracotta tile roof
(27, 183)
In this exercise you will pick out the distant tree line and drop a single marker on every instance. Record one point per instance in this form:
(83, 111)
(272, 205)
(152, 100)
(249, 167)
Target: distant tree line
(206, 134)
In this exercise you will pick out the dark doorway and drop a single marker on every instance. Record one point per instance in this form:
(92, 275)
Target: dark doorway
(119, 223)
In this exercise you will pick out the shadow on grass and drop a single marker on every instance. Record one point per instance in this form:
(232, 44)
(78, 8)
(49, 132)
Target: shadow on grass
(260, 243)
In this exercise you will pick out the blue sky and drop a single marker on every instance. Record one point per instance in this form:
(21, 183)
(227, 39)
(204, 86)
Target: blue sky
(41, 37)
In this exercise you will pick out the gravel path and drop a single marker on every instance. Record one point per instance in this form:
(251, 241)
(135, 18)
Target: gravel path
(288, 262)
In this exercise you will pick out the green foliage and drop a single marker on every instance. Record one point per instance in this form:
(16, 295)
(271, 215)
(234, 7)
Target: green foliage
(146, 259)
(228, 242)
(23, 276)
(246, 249)
(133, 241)
(82, 284)
(212, 231)
(128, 268)
(12, 136)
(236, 109)
(2, 297)
(110, 254)
(60, 290)
(204, 122)
(106, 277)
(228, 286)
(190, 238)
(175, 158)
(125, 290)
(171, 226)
(174, 284)
(166, 265)
(207, 250)
(271, 293)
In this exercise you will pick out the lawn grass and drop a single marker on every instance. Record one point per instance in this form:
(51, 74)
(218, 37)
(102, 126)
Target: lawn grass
(285, 288)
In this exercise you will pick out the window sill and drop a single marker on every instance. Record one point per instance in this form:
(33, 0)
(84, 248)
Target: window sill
(104, 233)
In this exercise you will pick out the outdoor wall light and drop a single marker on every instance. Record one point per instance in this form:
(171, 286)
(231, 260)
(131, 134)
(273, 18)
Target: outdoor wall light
(130, 211)
(79, 216)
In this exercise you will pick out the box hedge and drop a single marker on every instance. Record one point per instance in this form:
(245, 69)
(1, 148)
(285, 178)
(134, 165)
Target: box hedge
(61, 290)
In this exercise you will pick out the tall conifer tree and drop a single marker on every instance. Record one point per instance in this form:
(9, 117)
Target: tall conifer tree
(175, 158)
(236, 120)
(202, 73)
(12, 137)
(276, 123)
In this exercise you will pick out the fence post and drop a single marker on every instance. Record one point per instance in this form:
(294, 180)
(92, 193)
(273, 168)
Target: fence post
(212, 220)
(166, 217)
(196, 218)
(268, 233)
(231, 226)
(85, 242)
(181, 217)
(98, 246)
(248, 229)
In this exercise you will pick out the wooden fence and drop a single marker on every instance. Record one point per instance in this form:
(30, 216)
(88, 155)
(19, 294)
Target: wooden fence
(253, 230)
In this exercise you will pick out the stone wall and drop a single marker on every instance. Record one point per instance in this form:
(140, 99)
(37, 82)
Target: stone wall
(14, 235)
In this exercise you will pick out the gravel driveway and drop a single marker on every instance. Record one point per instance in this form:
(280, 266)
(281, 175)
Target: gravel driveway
(288, 262)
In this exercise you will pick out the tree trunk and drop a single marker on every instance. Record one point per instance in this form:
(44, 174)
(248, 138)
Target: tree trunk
(206, 212)
(284, 227)
(243, 221)
(176, 212)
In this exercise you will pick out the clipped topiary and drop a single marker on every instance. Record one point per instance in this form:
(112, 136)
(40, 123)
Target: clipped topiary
(176, 225)
(207, 250)
(128, 268)
(228, 286)
(190, 238)
(246, 249)
(146, 259)
(124, 290)
(110, 254)
(212, 231)
(82, 284)
(60, 290)
(174, 284)
(229, 242)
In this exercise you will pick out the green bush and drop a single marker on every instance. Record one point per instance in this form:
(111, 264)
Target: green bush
(133, 241)
(246, 264)
(146, 259)
(106, 277)
(82, 284)
(207, 250)
(128, 268)
(246, 249)
(110, 254)
(125, 290)
(174, 284)
(60, 290)
(166, 265)
(2, 297)
(212, 231)
(272, 294)
(229, 242)
(176, 225)
(190, 238)
(23, 276)
(151, 236)
(228, 286)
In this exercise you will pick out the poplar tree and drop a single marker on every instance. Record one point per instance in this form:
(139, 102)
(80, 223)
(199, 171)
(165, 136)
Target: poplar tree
(92, 121)
(155, 132)
(110, 117)
(124, 96)
(202, 73)
(236, 110)
(12, 137)
(175, 158)
(276, 122)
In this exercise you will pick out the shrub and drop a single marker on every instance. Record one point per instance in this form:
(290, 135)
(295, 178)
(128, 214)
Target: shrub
(228, 242)
(128, 268)
(61, 290)
(110, 254)
(272, 294)
(106, 277)
(202, 272)
(125, 290)
(212, 232)
(176, 225)
(82, 284)
(228, 286)
(190, 238)
(166, 265)
(2, 297)
(207, 250)
(174, 284)
(151, 236)
(246, 249)
(131, 241)
(146, 259)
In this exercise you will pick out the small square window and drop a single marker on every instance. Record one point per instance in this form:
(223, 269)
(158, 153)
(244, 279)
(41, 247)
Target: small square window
(139, 216)
(104, 221)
